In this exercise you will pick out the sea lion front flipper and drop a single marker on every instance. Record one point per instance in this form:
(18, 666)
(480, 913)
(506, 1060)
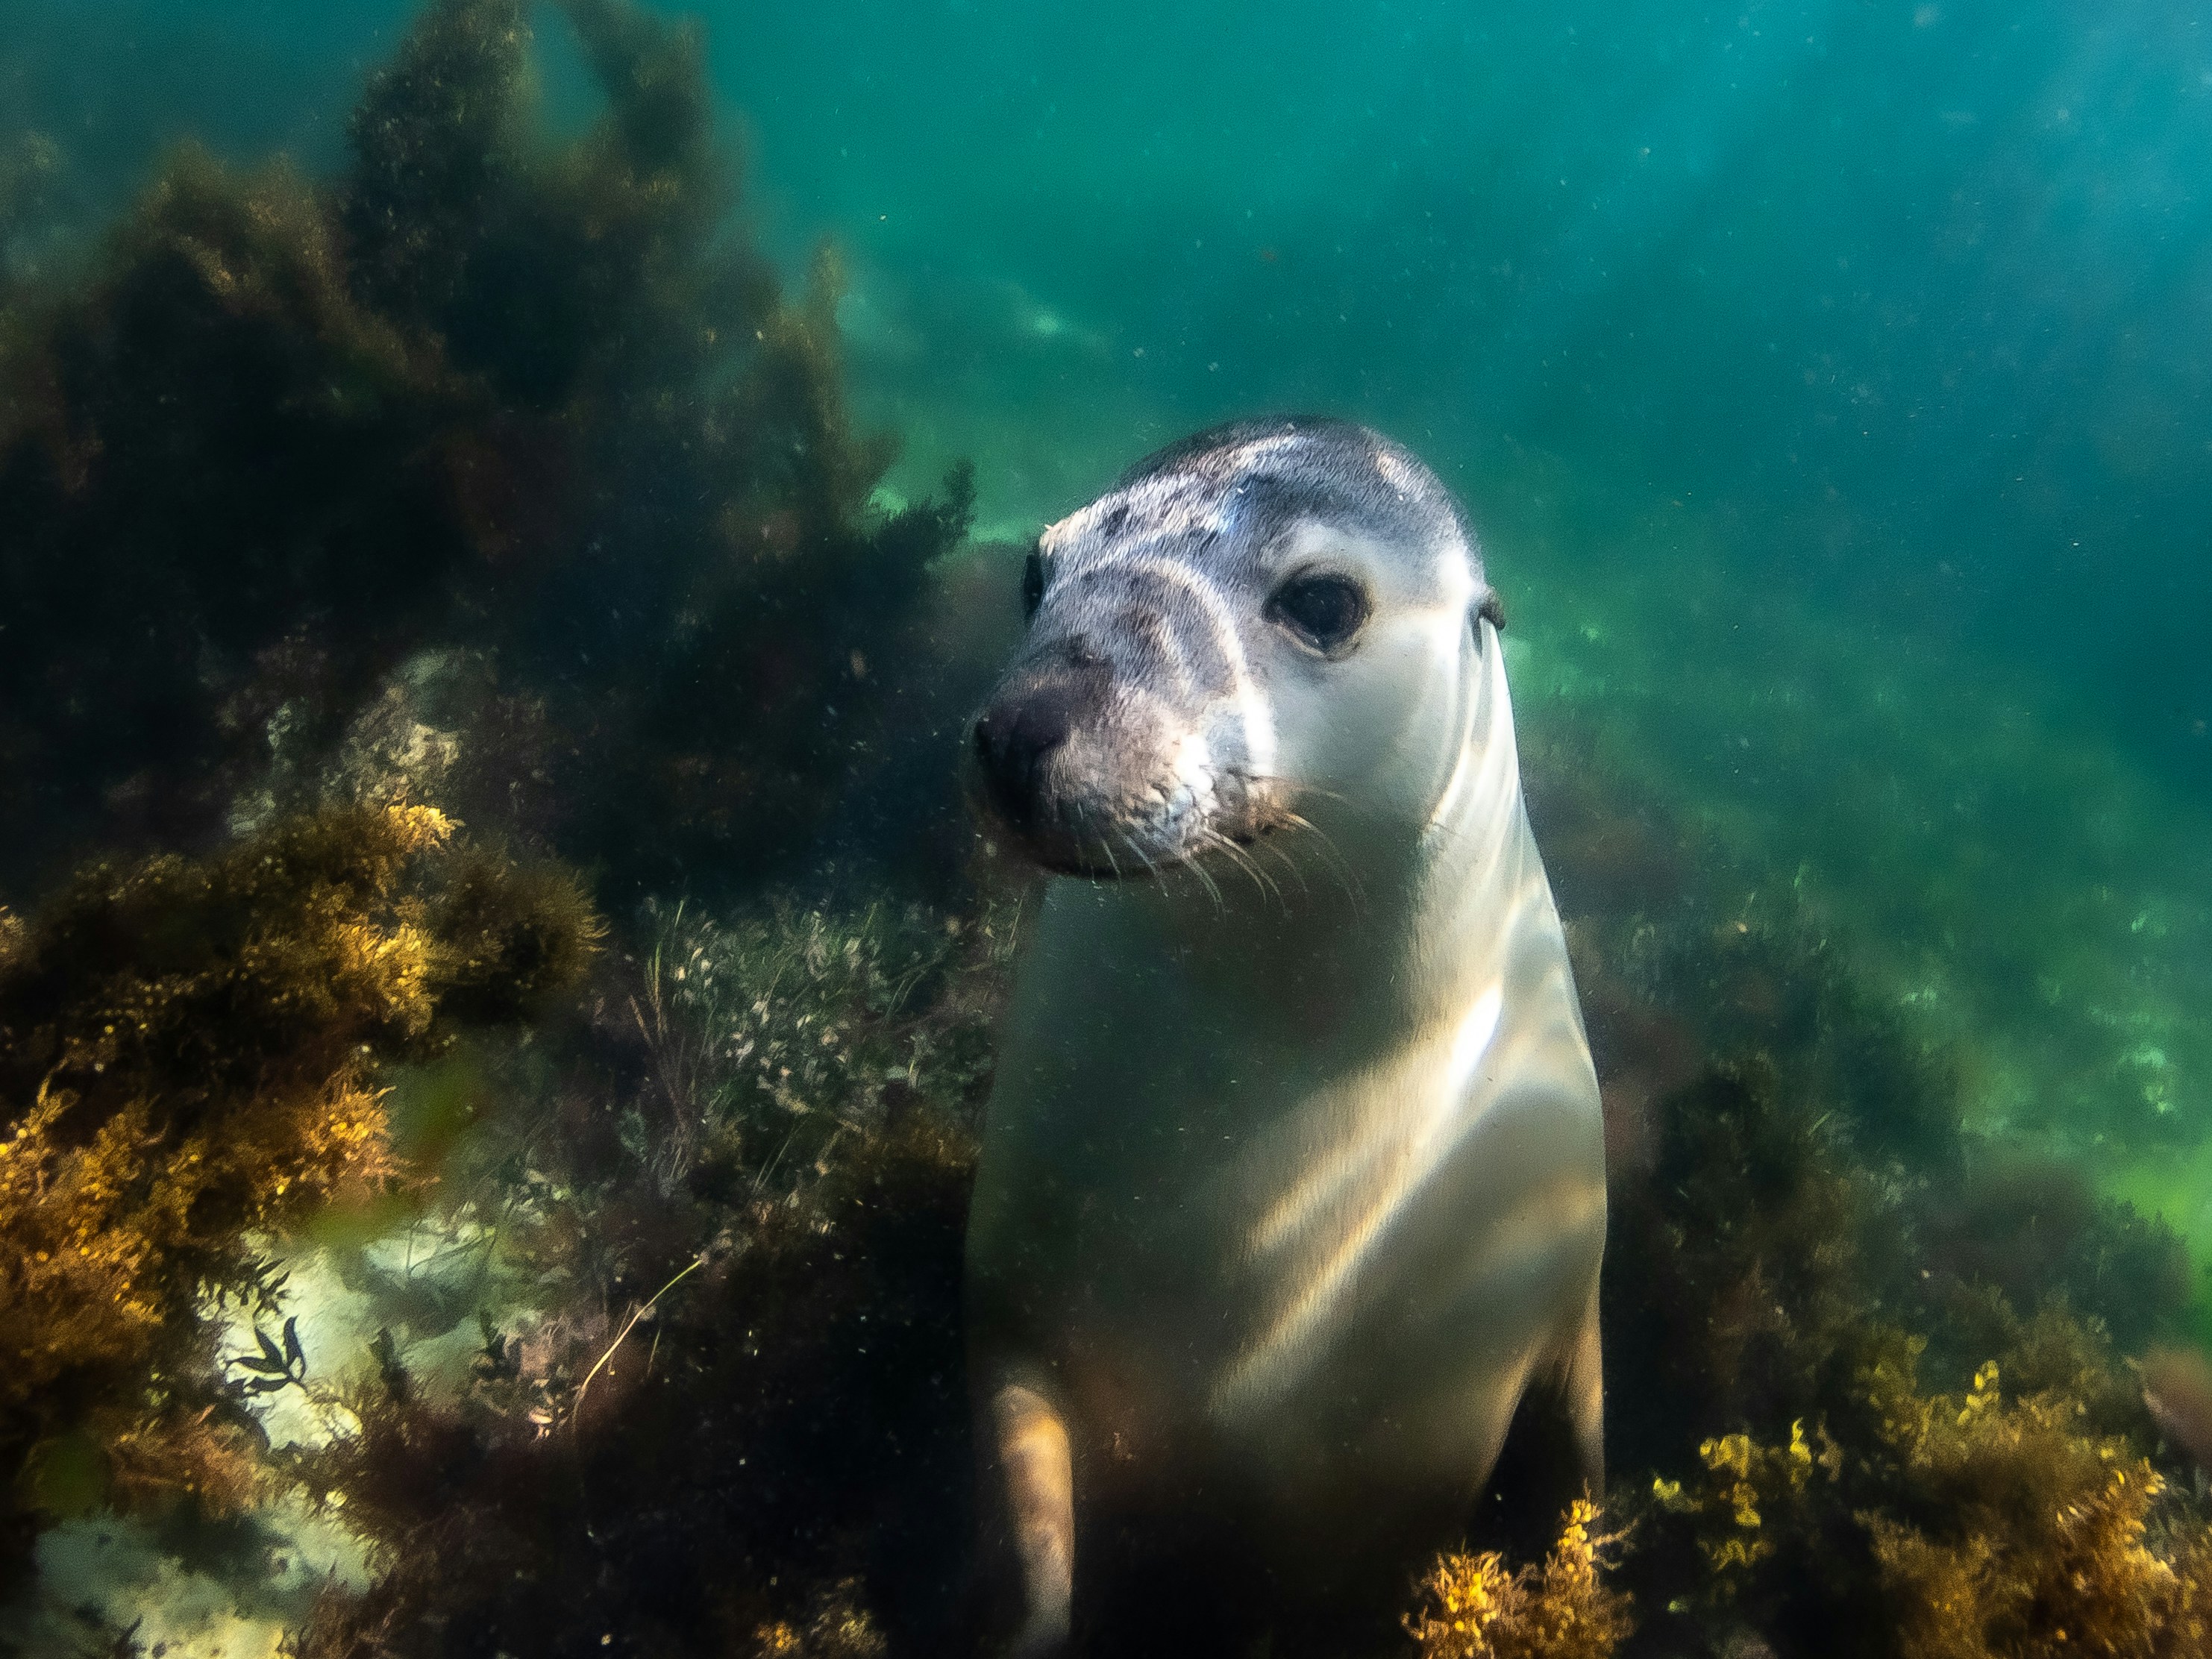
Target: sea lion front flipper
(1554, 1451)
(1582, 1392)
(1037, 1469)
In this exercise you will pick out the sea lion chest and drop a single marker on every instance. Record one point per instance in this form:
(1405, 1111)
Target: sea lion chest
(1285, 1192)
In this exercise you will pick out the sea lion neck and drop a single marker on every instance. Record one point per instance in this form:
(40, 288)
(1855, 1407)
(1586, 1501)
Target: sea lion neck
(1294, 951)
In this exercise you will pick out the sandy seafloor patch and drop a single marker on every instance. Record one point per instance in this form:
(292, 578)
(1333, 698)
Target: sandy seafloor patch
(123, 1575)
(233, 1590)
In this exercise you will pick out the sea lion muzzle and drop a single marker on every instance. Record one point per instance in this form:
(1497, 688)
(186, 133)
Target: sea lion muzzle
(1019, 745)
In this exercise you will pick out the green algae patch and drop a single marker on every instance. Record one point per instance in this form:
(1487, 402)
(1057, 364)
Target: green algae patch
(2177, 1188)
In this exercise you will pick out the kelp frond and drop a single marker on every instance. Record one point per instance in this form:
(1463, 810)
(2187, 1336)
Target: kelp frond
(187, 1055)
(1475, 1607)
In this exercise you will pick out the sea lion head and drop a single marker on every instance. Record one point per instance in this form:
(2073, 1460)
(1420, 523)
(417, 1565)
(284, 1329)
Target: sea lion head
(1266, 624)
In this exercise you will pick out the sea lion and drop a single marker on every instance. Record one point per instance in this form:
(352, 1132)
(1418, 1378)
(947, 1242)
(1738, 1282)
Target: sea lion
(1292, 1178)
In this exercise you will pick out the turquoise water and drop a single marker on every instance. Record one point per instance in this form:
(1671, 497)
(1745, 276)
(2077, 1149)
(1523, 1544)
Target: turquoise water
(1832, 364)
(1828, 384)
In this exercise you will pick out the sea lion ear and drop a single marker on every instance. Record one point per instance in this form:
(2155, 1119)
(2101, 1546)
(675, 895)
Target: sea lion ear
(1487, 604)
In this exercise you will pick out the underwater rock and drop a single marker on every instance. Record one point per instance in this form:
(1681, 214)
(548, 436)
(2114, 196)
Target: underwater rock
(2177, 1388)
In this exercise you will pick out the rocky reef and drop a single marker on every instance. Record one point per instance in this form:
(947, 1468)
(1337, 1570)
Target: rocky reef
(496, 1000)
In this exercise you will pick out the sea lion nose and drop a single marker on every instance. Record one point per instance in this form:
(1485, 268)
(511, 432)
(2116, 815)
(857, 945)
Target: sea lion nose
(1014, 742)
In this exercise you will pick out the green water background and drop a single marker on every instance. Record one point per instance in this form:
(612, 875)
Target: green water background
(1828, 382)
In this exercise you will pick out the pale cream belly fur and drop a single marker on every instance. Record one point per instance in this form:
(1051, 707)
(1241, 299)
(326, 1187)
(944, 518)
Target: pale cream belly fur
(1289, 1198)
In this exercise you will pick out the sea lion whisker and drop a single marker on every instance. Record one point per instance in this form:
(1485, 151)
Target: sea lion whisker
(1267, 845)
(1238, 856)
(1261, 872)
(1333, 858)
(1295, 786)
(1197, 869)
(1243, 857)
(1139, 854)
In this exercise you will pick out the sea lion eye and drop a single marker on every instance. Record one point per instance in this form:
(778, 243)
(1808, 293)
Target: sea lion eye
(1032, 582)
(1323, 611)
